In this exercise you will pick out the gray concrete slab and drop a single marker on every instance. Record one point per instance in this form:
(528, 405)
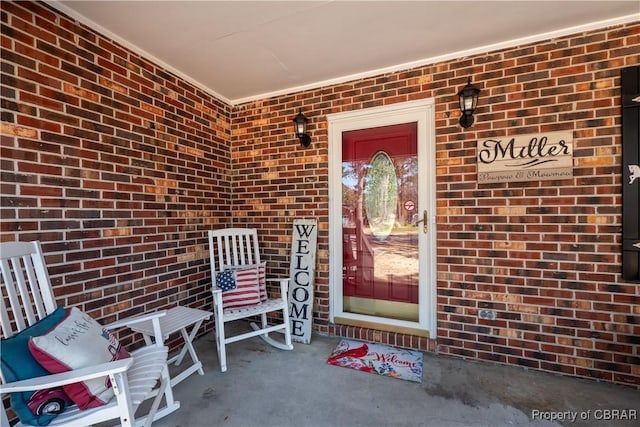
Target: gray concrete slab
(269, 387)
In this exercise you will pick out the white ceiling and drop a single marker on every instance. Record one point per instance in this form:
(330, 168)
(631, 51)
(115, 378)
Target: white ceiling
(245, 50)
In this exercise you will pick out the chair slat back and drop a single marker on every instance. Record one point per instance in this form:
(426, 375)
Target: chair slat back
(233, 247)
(25, 292)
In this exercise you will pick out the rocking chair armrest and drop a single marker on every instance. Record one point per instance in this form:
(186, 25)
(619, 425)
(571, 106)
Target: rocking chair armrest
(284, 283)
(69, 377)
(217, 297)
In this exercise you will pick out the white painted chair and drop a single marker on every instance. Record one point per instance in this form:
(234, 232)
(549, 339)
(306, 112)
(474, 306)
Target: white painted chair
(26, 297)
(233, 248)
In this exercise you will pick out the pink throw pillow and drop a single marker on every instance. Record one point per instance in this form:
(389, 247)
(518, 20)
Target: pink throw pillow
(76, 342)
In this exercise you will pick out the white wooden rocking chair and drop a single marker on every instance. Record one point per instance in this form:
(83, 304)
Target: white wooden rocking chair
(26, 297)
(234, 248)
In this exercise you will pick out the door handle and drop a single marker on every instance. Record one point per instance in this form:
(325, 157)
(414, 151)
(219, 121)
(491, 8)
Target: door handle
(424, 221)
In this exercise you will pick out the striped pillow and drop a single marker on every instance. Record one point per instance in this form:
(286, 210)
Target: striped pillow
(262, 280)
(262, 277)
(247, 290)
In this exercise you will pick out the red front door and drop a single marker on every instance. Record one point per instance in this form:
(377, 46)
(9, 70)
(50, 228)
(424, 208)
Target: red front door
(379, 212)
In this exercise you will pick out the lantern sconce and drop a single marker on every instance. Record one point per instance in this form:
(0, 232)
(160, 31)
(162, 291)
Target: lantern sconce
(468, 100)
(300, 122)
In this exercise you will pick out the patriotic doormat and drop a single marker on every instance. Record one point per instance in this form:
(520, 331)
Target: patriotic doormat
(379, 359)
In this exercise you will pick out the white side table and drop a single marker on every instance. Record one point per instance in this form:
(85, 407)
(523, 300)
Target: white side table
(178, 319)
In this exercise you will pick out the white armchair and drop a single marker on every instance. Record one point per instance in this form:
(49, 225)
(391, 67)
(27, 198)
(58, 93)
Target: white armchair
(27, 304)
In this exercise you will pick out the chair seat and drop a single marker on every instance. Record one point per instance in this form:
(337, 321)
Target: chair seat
(142, 375)
(148, 363)
(264, 307)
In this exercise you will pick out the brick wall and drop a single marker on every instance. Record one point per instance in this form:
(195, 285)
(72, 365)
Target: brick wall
(119, 167)
(116, 165)
(544, 254)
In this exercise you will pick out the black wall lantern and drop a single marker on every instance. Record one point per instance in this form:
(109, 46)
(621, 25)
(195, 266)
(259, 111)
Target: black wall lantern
(300, 122)
(468, 101)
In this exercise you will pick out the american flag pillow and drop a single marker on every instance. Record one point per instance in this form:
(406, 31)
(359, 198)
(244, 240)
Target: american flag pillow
(226, 280)
(262, 280)
(247, 290)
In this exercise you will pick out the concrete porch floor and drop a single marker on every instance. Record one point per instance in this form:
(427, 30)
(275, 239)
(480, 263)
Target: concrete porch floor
(264, 386)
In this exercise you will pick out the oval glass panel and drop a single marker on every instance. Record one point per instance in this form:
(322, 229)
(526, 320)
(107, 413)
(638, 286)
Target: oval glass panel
(381, 195)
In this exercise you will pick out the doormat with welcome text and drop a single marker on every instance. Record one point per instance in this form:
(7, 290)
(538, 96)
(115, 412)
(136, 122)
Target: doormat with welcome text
(379, 359)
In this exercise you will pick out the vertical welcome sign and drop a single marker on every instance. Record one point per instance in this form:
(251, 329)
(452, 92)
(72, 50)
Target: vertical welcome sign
(302, 273)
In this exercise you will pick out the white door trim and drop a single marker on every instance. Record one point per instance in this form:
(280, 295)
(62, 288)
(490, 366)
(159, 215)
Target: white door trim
(421, 112)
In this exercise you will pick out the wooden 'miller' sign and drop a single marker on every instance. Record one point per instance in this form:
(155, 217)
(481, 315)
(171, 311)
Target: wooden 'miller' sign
(532, 157)
(302, 273)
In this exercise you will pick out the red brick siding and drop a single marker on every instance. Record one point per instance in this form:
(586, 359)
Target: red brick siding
(115, 164)
(544, 254)
(122, 207)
